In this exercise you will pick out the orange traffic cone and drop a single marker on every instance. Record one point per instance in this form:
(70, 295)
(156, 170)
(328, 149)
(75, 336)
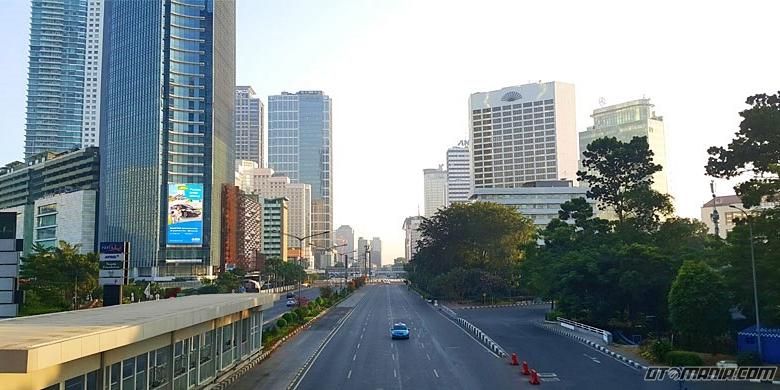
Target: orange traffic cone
(534, 378)
(514, 359)
(525, 368)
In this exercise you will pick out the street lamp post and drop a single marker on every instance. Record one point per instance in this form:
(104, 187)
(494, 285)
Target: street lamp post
(755, 284)
(300, 252)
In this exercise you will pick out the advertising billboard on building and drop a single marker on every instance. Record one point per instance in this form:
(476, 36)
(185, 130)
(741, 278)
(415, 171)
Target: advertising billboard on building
(113, 263)
(185, 214)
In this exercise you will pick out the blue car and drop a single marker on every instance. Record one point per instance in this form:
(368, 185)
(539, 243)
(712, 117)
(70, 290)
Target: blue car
(399, 331)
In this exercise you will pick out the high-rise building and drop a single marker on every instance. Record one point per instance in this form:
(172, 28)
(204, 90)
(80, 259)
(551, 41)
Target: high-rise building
(262, 182)
(458, 173)
(249, 129)
(345, 235)
(242, 230)
(275, 239)
(412, 235)
(300, 147)
(364, 253)
(63, 81)
(625, 121)
(168, 96)
(523, 133)
(376, 252)
(435, 190)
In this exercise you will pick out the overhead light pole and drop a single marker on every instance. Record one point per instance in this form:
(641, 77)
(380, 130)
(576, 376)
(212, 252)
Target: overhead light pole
(755, 284)
(300, 252)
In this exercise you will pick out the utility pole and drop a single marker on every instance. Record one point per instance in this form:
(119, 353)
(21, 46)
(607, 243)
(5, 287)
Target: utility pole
(366, 263)
(755, 283)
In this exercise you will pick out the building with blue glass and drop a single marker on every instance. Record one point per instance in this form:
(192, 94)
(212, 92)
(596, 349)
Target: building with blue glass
(167, 131)
(300, 147)
(63, 78)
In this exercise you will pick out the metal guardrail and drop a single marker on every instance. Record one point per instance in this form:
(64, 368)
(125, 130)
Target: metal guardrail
(574, 325)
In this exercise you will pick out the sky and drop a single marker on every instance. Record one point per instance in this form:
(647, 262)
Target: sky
(400, 74)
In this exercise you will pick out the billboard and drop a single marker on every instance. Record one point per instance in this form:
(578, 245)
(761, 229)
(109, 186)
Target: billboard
(113, 263)
(185, 214)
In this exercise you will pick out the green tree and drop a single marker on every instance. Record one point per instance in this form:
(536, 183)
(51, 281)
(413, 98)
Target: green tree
(480, 236)
(54, 274)
(619, 176)
(738, 271)
(698, 304)
(755, 149)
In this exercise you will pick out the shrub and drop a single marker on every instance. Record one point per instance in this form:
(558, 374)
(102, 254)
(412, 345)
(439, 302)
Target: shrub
(281, 323)
(301, 312)
(748, 359)
(682, 358)
(293, 317)
(655, 350)
(553, 315)
(288, 317)
(326, 291)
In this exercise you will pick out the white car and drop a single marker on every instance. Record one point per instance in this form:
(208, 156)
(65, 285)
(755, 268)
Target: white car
(727, 364)
(291, 302)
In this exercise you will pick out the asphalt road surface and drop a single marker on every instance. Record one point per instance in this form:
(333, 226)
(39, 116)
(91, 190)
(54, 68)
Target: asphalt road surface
(567, 363)
(280, 306)
(439, 355)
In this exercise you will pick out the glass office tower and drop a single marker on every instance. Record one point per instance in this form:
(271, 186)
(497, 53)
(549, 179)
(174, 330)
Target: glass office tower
(299, 147)
(56, 76)
(167, 131)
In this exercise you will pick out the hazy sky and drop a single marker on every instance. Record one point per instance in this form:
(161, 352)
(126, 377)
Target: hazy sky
(400, 74)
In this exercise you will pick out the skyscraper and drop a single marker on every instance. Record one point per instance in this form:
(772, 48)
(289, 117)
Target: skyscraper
(624, 121)
(412, 235)
(376, 252)
(363, 254)
(167, 131)
(300, 147)
(458, 173)
(435, 190)
(345, 235)
(250, 140)
(523, 133)
(63, 81)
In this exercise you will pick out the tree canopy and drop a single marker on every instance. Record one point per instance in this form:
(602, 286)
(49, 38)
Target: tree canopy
(620, 175)
(52, 275)
(755, 149)
(470, 249)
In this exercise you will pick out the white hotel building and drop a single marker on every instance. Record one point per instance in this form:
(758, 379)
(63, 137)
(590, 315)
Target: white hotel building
(523, 133)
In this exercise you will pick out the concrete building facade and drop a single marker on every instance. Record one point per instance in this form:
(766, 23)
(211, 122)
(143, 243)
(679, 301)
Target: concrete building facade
(458, 173)
(434, 190)
(727, 212)
(345, 235)
(412, 234)
(376, 252)
(523, 133)
(275, 228)
(540, 201)
(264, 183)
(624, 121)
(249, 126)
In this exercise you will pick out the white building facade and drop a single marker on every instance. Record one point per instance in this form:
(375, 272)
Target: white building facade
(435, 190)
(539, 201)
(412, 235)
(523, 133)
(625, 121)
(458, 173)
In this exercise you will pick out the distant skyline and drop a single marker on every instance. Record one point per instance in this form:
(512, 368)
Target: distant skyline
(400, 74)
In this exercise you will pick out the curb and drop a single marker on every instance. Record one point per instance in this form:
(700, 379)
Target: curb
(595, 346)
(480, 335)
(518, 304)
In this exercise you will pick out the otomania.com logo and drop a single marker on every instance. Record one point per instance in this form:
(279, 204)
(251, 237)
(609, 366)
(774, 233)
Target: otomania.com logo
(711, 373)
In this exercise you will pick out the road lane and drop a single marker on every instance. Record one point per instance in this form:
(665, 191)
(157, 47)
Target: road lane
(438, 355)
(280, 306)
(575, 365)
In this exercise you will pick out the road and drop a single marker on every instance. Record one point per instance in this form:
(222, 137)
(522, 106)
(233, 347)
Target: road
(440, 354)
(280, 306)
(574, 364)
